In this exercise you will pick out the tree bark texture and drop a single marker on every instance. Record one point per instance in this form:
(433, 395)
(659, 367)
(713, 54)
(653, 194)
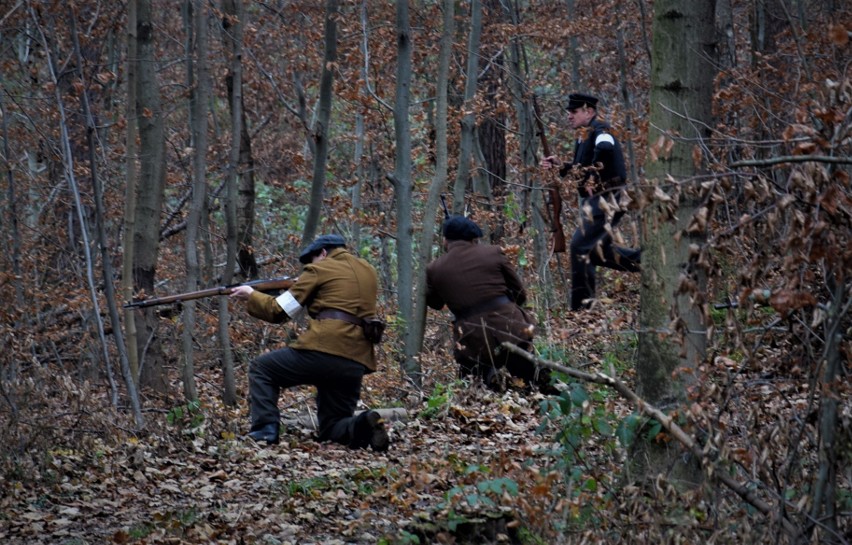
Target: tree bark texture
(468, 124)
(149, 196)
(404, 189)
(321, 128)
(229, 394)
(672, 328)
(246, 258)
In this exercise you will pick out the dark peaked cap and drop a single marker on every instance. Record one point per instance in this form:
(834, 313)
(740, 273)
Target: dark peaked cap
(460, 228)
(578, 100)
(322, 242)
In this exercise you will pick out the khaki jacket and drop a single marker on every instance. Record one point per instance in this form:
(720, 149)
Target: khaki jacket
(340, 281)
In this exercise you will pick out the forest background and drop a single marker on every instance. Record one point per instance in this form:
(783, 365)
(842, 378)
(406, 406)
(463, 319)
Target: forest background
(153, 147)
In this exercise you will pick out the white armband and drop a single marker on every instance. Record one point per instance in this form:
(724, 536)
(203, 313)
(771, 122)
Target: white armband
(604, 138)
(289, 304)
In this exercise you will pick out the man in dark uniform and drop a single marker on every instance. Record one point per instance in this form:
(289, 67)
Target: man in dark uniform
(339, 291)
(484, 293)
(598, 168)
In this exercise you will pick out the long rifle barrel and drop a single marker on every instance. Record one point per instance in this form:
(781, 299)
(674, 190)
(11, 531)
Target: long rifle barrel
(553, 188)
(444, 204)
(273, 284)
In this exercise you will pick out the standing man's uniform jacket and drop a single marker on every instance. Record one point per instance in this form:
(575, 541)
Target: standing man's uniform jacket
(483, 291)
(342, 282)
(598, 148)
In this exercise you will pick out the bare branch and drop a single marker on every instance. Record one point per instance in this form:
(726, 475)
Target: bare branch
(792, 159)
(706, 455)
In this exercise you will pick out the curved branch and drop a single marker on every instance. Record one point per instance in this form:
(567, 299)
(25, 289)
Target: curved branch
(667, 423)
(793, 159)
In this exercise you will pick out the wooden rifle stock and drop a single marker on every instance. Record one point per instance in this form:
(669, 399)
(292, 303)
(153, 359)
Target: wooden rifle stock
(273, 284)
(552, 188)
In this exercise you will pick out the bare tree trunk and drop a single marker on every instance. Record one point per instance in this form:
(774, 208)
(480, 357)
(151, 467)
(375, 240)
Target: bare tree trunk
(229, 396)
(130, 194)
(321, 128)
(825, 496)
(70, 177)
(404, 191)
(673, 283)
(360, 137)
(624, 86)
(530, 199)
(491, 130)
(246, 191)
(14, 235)
(149, 202)
(197, 56)
(414, 343)
(103, 243)
(574, 50)
(469, 119)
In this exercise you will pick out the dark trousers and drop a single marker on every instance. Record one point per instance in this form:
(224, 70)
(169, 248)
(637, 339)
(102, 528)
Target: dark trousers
(338, 383)
(591, 247)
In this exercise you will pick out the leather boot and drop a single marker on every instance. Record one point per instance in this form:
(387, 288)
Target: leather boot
(370, 431)
(267, 432)
(379, 439)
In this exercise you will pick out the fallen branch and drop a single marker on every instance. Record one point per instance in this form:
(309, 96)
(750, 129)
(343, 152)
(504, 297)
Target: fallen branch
(667, 423)
(308, 421)
(792, 159)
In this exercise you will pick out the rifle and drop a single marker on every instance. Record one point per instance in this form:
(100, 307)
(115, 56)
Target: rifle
(553, 188)
(273, 284)
(444, 204)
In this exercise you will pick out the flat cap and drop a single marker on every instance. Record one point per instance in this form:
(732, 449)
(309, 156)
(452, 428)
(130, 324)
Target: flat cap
(578, 100)
(322, 242)
(460, 228)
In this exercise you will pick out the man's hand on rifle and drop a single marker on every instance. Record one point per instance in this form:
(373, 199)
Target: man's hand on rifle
(241, 292)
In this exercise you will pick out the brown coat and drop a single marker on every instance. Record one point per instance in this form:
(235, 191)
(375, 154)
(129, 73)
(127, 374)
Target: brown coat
(340, 281)
(467, 276)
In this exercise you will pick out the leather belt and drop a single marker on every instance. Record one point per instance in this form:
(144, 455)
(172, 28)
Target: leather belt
(482, 308)
(334, 314)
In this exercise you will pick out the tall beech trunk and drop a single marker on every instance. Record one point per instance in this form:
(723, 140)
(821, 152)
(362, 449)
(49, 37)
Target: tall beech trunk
(672, 324)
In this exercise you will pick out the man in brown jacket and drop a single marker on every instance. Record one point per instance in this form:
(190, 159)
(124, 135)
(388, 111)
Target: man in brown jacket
(484, 293)
(338, 290)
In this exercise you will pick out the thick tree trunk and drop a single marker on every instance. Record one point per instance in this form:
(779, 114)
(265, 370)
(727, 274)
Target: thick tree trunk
(149, 196)
(404, 191)
(197, 56)
(672, 325)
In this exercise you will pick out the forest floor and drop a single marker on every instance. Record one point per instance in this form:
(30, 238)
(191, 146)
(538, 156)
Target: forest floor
(467, 465)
